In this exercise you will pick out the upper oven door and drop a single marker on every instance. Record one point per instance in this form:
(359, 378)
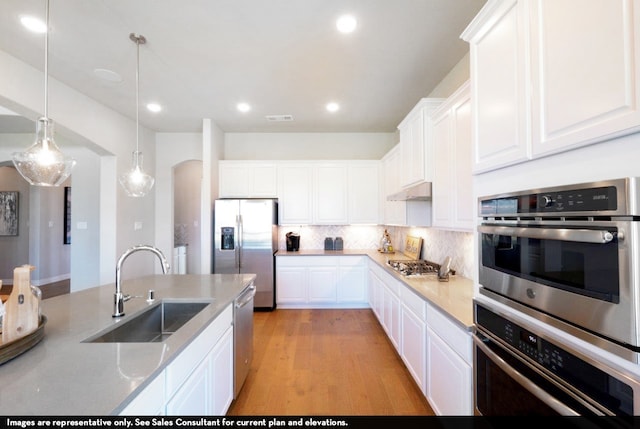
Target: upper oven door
(573, 272)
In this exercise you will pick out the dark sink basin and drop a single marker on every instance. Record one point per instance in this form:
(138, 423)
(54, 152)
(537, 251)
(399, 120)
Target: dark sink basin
(151, 326)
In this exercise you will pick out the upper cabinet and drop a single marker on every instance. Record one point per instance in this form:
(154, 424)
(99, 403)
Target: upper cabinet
(548, 79)
(394, 212)
(453, 202)
(247, 179)
(585, 72)
(328, 192)
(416, 158)
(497, 39)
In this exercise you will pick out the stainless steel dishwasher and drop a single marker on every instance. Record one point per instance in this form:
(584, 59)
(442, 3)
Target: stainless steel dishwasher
(242, 336)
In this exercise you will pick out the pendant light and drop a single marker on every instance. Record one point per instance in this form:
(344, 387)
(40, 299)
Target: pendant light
(43, 164)
(136, 182)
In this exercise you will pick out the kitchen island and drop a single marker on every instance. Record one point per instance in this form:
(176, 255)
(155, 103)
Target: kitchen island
(62, 375)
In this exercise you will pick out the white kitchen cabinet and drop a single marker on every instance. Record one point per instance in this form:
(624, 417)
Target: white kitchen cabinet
(330, 194)
(387, 302)
(363, 190)
(415, 146)
(222, 375)
(547, 79)
(585, 72)
(449, 365)
(413, 349)
(352, 280)
(295, 183)
(499, 72)
(199, 381)
(453, 202)
(247, 179)
(322, 278)
(321, 282)
(394, 212)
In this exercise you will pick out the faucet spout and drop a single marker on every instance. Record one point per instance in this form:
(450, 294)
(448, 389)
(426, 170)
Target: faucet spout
(119, 298)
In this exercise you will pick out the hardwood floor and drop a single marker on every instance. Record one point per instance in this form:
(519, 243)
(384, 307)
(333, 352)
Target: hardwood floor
(326, 362)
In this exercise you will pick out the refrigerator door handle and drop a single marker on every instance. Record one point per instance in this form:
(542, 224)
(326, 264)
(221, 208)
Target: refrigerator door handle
(240, 241)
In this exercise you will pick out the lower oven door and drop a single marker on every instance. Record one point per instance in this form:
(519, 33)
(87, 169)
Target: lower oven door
(507, 386)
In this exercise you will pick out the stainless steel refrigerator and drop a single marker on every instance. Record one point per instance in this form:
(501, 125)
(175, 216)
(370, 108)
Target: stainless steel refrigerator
(245, 241)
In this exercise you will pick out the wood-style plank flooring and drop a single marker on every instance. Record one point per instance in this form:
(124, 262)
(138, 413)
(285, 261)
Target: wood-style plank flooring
(326, 362)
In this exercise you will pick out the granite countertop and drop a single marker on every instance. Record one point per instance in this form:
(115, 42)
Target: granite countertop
(455, 297)
(64, 376)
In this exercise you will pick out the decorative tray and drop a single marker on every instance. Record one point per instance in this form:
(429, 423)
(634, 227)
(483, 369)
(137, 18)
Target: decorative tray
(16, 347)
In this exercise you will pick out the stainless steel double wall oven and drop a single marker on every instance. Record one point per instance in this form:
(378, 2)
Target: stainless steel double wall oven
(567, 256)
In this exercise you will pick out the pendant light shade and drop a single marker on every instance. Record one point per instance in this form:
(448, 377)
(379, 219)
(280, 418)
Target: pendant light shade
(43, 164)
(136, 182)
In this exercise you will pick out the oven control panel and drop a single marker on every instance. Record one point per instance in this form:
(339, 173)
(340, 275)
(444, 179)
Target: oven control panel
(584, 200)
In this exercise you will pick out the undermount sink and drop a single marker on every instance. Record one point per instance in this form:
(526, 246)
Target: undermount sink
(153, 325)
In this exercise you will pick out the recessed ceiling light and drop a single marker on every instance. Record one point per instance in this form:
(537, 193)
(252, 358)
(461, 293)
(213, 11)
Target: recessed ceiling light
(154, 107)
(346, 24)
(243, 107)
(108, 75)
(34, 24)
(333, 107)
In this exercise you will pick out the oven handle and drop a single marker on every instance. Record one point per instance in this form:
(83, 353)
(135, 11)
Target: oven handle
(539, 393)
(562, 234)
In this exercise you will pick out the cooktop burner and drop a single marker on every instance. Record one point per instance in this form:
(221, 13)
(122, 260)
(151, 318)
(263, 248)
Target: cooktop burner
(414, 267)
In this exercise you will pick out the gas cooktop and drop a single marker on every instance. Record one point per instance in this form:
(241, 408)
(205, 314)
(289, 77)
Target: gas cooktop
(415, 267)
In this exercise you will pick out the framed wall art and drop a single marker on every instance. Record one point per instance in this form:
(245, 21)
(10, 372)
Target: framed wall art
(67, 215)
(8, 213)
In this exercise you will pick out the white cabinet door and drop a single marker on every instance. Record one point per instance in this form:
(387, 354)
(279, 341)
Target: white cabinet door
(450, 379)
(364, 192)
(352, 280)
(291, 284)
(499, 73)
(322, 284)
(247, 179)
(585, 72)
(330, 194)
(415, 143)
(394, 212)
(221, 361)
(295, 193)
(192, 398)
(413, 346)
(453, 202)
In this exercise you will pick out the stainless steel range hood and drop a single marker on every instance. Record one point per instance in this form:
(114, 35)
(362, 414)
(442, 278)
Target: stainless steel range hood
(419, 192)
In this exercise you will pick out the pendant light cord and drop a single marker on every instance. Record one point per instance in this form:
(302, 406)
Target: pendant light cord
(137, 96)
(46, 62)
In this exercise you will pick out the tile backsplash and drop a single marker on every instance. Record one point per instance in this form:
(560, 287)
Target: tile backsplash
(436, 244)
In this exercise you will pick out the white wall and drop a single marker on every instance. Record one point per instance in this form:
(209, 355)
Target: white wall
(286, 146)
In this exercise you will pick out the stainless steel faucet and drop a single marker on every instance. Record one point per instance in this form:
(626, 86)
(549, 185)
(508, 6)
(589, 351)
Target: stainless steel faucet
(119, 298)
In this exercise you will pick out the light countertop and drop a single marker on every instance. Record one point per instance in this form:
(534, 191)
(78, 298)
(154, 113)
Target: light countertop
(64, 376)
(455, 297)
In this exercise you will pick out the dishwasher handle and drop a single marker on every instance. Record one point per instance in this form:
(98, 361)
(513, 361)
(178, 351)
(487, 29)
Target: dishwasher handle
(246, 296)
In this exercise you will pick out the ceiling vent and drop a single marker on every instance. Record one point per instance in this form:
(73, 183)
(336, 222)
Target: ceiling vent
(279, 118)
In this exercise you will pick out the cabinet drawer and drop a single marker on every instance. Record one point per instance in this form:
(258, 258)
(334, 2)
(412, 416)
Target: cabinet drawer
(307, 261)
(412, 301)
(352, 261)
(456, 337)
(178, 370)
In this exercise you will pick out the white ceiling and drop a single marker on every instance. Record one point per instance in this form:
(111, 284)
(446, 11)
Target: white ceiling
(202, 57)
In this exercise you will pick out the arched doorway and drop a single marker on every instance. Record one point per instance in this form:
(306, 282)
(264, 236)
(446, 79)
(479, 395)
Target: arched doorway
(187, 186)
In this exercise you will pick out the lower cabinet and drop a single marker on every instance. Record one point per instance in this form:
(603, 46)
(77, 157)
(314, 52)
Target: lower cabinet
(449, 370)
(321, 281)
(199, 381)
(413, 350)
(436, 351)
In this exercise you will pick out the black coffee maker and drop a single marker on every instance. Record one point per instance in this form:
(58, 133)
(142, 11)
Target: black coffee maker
(293, 242)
